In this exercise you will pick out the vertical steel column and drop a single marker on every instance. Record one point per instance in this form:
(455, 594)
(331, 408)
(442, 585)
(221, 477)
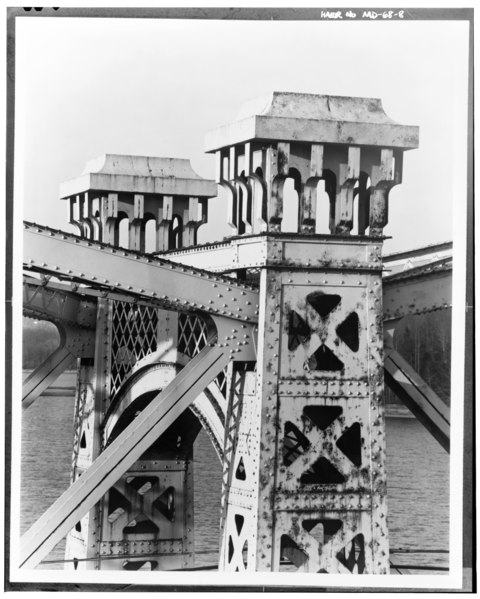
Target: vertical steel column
(240, 471)
(304, 486)
(305, 449)
(90, 403)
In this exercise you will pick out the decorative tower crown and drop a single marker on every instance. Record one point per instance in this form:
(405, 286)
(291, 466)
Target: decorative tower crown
(350, 143)
(140, 189)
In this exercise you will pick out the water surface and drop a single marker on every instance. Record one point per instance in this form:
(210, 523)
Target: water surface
(417, 470)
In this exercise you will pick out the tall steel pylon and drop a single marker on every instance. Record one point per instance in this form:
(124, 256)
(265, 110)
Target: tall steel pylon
(304, 471)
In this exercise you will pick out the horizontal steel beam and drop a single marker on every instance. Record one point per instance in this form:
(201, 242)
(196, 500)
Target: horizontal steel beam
(49, 303)
(418, 290)
(181, 288)
(281, 250)
(130, 276)
(86, 491)
(420, 399)
(426, 251)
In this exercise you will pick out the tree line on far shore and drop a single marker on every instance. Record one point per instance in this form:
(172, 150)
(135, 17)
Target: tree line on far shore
(425, 341)
(40, 339)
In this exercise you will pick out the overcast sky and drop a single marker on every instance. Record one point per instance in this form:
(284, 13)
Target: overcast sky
(85, 87)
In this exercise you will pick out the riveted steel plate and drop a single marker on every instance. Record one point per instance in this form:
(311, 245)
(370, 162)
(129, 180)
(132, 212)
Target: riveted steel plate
(141, 547)
(312, 429)
(326, 541)
(314, 388)
(322, 331)
(332, 255)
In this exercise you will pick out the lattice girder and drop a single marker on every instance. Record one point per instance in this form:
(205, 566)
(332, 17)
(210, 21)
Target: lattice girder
(240, 470)
(154, 279)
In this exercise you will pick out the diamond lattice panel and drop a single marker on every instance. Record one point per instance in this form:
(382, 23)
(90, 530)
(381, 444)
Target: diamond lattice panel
(192, 334)
(192, 338)
(324, 331)
(134, 335)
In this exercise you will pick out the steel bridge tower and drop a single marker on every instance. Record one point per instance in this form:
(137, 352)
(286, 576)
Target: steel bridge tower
(277, 350)
(304, 460)
(146, 519)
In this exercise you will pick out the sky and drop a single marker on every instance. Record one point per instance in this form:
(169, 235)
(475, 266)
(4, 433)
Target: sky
(85, 87)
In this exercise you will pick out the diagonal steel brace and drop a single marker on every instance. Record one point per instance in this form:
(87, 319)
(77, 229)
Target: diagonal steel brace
(75, 342)
(66, 511)
(44, 375)
(419, 397)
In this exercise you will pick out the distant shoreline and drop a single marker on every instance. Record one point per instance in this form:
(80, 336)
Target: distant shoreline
(397, 411)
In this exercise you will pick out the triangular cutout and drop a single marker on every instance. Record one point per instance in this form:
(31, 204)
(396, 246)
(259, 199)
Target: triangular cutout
(323, 303)
(322, 416)
(231, 548)
(298, 331)
(352, 556)
(245, 554)
(165, 504)
(149, 565)
(324, 359)
(239, 520)
(294, 444)
(83, 441)
(322, 530)
(140, 525)
(349, 331)
(350, 443)
(322, 472)
(118, 504)
(291, 551)
(140, 565)
(240, 474)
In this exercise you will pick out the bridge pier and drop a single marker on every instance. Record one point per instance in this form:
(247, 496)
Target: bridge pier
(93, 386)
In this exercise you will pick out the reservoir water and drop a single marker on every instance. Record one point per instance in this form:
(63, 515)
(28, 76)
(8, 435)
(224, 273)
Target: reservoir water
(417, 470)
